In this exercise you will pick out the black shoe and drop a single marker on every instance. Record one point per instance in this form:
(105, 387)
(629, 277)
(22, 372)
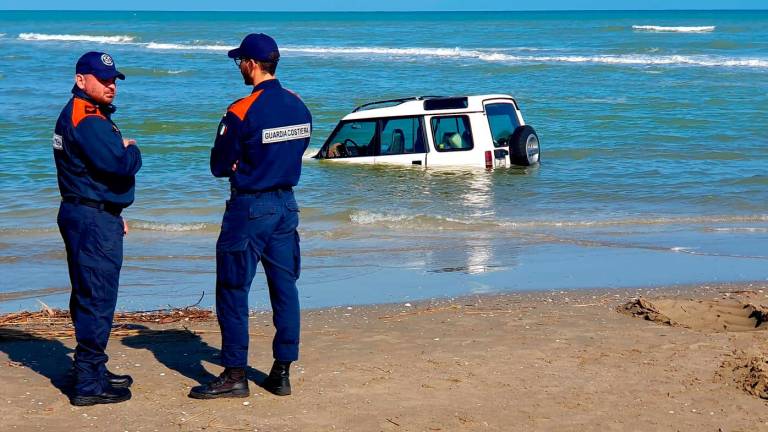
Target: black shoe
(108, 395)
(119, 381)
(230, 384)
(278, 382)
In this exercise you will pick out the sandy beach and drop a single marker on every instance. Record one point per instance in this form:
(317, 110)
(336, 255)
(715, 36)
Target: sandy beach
(558, 360)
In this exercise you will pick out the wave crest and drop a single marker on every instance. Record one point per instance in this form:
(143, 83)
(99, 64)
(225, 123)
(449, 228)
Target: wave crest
(171, 227)
(506, 55)
(681, 29)
(402, 221)
(184, 47)
(119, 39)
(495, 56)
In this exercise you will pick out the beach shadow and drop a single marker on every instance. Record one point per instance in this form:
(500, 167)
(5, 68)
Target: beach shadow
(48, 357)
(184, 352)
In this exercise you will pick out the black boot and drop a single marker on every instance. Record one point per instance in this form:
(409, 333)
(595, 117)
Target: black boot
(232, 383)
(119, 381)
(108, 395)
(277, 382)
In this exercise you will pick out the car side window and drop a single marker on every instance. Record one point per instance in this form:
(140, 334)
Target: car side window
(452, 133)
(401, 136)
(352, 139)
(503, 121)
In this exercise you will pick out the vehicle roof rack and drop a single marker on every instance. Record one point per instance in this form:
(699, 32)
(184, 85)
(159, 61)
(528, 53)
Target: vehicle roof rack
(396, 101)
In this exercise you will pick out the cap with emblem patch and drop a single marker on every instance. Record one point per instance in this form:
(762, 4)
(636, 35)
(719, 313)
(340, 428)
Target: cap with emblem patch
(257, 46)
(99, 64)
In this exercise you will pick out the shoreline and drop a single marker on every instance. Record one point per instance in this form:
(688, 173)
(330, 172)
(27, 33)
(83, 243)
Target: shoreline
(540, 361)
(372, 264)
(623, 291)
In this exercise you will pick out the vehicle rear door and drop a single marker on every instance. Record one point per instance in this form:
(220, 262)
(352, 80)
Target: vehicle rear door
(503, 118)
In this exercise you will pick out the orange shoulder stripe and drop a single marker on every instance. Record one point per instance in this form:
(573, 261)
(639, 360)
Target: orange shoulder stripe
(240, 108)
(82, 109)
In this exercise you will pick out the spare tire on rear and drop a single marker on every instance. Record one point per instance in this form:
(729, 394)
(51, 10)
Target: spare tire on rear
(524, 146)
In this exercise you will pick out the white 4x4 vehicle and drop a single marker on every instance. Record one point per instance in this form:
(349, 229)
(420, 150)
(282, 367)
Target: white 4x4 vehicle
(483, 130)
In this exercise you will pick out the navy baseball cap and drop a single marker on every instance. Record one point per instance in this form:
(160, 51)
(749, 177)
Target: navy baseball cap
(99, 64)
(256, 46)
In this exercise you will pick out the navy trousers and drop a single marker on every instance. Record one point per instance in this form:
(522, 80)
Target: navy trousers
(258, 227)
(94, 243)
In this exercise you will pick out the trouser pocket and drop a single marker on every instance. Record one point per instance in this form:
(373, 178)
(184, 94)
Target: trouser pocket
(233, 263)
(99, 260)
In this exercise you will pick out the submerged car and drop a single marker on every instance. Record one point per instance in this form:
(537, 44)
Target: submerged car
(484, 130)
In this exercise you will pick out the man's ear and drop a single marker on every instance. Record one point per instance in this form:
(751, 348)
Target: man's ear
(80, 81)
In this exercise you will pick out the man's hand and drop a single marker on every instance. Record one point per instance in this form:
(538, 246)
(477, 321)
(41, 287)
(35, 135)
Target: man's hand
(128, 142)
(125, 227)
(234, 166)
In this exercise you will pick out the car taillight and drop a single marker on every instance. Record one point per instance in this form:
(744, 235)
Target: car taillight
(488, 159)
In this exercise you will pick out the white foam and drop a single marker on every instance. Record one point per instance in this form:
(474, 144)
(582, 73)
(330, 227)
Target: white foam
(482, 54)
(494, 56)
(664, 29)
(168, 227)
(185, 47)
(741, 230)
(637, 60)
(120, 39)
(674, 60)
(386, 51)
(394, 220)
(367, 218)
(682, 249)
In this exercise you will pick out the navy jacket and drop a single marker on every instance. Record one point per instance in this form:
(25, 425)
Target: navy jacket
(266, 134)
(91, 161)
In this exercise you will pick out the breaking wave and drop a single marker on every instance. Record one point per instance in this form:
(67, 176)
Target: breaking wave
(506, 55)
(171, 227)
(402, 221)
(663, 29)
(496, 56)
(184, 47)
(120, 39)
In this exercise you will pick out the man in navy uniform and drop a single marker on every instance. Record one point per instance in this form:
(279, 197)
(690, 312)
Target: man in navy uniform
(96, 171)
(259, 146)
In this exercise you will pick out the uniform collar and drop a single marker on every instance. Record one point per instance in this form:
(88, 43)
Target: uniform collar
(270, 83)
(80, 94)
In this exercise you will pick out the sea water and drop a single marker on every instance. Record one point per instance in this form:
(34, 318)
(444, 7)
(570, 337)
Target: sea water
(653, 128)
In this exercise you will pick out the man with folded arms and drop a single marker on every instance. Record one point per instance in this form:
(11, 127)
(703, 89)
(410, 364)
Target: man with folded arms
(96, 171)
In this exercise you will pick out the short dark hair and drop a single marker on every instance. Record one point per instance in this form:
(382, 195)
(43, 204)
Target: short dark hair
(269, 66)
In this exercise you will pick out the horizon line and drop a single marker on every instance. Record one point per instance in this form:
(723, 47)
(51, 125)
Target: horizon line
(388, 11)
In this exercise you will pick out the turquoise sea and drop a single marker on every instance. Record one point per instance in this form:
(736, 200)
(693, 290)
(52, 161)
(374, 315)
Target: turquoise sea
(654, 132)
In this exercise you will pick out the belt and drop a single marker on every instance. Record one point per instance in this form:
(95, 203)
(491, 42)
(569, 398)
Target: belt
(110, 208)
(247, 192)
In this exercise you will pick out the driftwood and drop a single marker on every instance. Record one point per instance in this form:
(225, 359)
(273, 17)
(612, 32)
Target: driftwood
(57, 323)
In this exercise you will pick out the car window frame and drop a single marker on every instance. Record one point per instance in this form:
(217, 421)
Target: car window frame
(380, 127)
(469, 129)
(514, 107)
(376, 145)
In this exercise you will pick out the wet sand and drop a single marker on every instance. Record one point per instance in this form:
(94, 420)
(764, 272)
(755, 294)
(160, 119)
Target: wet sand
(558, 360)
